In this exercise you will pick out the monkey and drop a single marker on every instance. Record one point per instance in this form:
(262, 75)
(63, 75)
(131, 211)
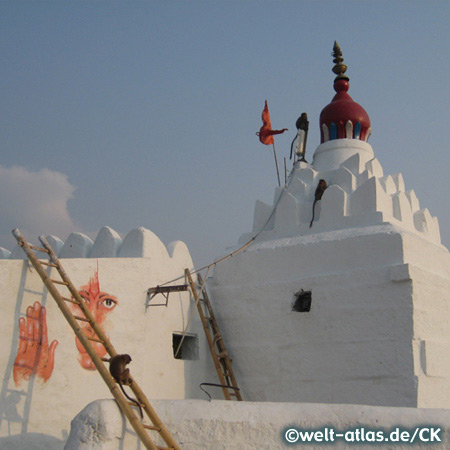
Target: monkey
(302, 122)
(320, 189)
(302, 125)
(121, 374)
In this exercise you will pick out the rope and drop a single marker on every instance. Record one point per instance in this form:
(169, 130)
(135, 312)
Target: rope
(190, 316)
(230, 255)
(243, 247)
(215, 385)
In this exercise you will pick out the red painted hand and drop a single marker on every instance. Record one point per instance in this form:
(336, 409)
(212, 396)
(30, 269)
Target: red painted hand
(34, 356)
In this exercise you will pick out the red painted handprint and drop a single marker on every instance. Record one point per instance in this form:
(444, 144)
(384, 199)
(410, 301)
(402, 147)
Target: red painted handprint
(34, 356)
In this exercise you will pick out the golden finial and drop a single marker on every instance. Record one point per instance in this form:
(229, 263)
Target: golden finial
(339, 69)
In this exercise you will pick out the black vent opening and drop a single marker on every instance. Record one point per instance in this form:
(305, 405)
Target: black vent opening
(189, 346)
(302, 302)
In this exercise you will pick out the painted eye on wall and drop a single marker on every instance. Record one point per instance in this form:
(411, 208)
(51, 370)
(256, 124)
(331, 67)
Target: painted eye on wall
(109, 303)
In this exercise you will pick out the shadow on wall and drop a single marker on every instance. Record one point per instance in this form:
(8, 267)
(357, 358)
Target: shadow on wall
(27, 358)
(15, 401)
(195, 350)
(35, 441)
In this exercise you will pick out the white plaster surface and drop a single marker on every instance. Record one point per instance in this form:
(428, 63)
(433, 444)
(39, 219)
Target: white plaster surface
(138, 243)
(379, 317)
(221, 425)
(330, 155)
(4, 253)
(78, 245)
(377, 333)
(56, 244)
(134, 327)
(107, 244)
(367, 197)
(17, 253)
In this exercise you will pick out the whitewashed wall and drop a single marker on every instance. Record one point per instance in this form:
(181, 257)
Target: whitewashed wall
(378, 330)
(427, 271)
(359, 194)
(143, 332)
(221, 425)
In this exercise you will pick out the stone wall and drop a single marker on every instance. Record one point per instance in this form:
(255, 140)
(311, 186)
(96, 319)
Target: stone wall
(376, 275)
(47, 379)
(221, 425)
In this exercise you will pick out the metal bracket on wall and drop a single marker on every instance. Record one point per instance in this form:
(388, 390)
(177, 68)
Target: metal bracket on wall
(164, 291)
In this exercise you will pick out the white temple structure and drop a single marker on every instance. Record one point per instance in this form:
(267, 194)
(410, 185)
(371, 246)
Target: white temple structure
(342, 320)
(353, 307)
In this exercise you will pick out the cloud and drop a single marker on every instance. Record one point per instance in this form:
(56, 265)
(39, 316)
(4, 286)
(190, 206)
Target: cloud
(34, 202)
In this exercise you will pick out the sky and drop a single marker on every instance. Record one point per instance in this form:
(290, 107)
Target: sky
(144, 113)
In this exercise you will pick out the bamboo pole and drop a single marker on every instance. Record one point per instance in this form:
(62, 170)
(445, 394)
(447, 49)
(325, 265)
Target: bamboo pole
(79, 300)
(209, 338)
(276, 163)
(220, 344)
(103, 371)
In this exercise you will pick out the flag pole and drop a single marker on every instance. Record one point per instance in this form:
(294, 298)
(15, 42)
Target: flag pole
(276, 162)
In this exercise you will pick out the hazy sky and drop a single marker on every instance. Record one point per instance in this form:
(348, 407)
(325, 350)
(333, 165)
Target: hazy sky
(135, 114)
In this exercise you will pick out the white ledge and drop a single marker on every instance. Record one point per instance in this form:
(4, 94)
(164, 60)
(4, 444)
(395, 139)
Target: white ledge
(330, 155)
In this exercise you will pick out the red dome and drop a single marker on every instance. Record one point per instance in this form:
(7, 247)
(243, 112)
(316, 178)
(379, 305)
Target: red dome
(343, 117)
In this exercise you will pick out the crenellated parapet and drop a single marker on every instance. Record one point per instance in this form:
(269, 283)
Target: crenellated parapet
(358, 195)
(353, 299)
(138, 243)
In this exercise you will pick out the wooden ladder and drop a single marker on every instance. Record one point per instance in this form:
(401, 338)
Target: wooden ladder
(222, 361)
(74, 297)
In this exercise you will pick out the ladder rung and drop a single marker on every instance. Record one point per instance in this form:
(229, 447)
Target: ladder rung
(84, 319)
(60, 282)
(136, 403)
(70, 300)
(151, 427)
(215, 338)
(39, 249)
(141, 401)
(48, 264)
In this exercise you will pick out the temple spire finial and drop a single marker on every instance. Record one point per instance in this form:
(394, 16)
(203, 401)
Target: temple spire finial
(339, 69)
(343, 118)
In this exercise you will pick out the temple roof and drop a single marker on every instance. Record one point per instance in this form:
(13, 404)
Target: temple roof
(343, 118)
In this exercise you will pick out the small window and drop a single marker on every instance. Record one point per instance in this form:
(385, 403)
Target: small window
(302, 302)
(188, 348)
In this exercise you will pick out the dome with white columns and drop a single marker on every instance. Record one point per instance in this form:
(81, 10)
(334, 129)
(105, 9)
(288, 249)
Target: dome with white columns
(343, 117)
(359, 194)
(349, 305)
(344, 124)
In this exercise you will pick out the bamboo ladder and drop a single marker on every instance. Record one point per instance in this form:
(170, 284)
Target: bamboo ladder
(216, 344)
(222, 361)
(124, 404)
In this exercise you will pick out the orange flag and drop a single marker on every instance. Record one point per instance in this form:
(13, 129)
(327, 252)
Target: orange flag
(266, 133)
